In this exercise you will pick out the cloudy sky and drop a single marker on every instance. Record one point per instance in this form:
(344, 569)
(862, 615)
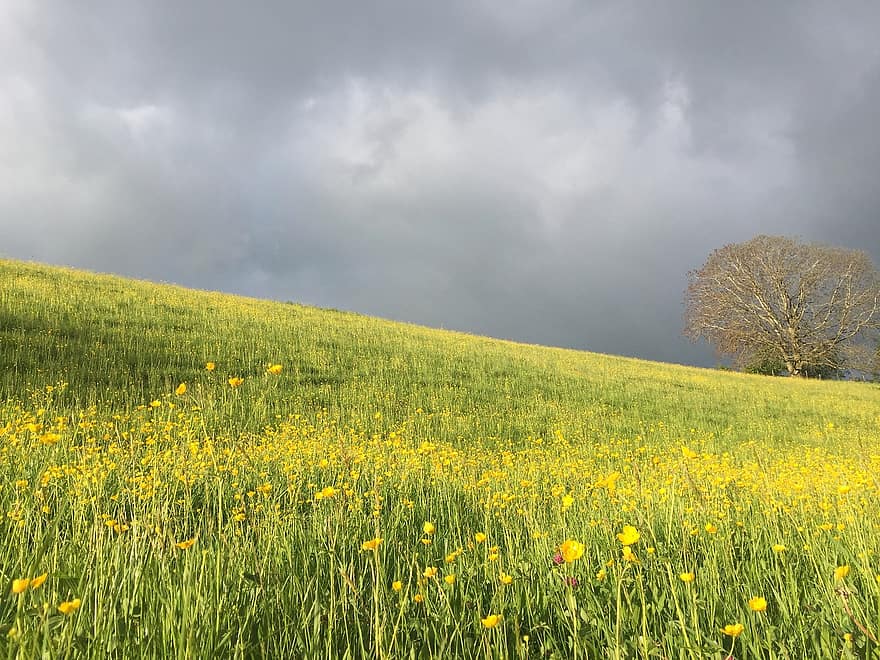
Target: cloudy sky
(546, 171)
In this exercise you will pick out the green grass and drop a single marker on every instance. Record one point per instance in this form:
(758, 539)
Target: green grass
(406, 425)
(121, 343)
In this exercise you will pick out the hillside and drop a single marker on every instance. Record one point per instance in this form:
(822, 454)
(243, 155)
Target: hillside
(123, 342)
(191, 474)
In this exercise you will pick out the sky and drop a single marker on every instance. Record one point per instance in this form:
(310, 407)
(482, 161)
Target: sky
(546, 171)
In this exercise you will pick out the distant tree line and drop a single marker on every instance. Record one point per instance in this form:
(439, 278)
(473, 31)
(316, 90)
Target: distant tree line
(775, 305)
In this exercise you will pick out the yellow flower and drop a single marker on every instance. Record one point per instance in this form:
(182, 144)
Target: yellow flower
(479, 537)
(155, 404)
(397, 585)
(491, 620)
(18, 586)
(567, 501)
(235, 381)
(493, 556)
(688, 453)
(505, 578)
(49, 438)
(328, 491)
(186, 545)
(38, 581)
(757, 604)
(210, 366)
(419, 598)
(710, 528)
(69, 606)
(601, 575)
(428, 528)
(841, 572)
(686, 577)
(571, 550)
(449, 579)
(779, 548)
(426, 541)
(372, 544)
(629, 535)
(629, 555)
(274, 369)
(733, 629)
(181, 389)
(430, 571)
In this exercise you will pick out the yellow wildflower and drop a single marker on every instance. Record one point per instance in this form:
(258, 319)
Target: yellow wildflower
(629, 535)
(38, 581)
(274, 369)
(181, 389)
(69, 606)
(686, 577)
(491, 620)
(733, 629)
(18, 586)
(841, 572)
(210, 366)
(428, 528)
(235, 381)
(397, 585)
(629, 555)
(757, 604)
(186, 545)
(571, 550)
(479, 537)
(372, 544)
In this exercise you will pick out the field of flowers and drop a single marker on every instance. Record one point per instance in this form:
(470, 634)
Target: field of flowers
(276, 481)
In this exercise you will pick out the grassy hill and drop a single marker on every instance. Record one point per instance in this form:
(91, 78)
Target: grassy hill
(122, 343)
(342, 486)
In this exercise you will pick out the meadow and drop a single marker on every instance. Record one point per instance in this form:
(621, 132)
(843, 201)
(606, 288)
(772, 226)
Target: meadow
(190, 474)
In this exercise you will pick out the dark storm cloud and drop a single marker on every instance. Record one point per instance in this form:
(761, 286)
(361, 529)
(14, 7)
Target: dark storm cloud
(531, 170)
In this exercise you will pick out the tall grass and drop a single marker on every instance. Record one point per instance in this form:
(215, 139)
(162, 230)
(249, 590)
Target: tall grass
(225, 521)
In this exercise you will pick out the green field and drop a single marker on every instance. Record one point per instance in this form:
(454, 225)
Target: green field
(178, 512)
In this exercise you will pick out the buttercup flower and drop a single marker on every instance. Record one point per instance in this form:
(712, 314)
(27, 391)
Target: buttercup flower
(733, 629)
(757, 604)
(571, 550)
(491, 620)
(372, 544)
(69, 606)
(629, 535)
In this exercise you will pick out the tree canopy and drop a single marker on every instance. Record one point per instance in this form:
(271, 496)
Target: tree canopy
(775, 302)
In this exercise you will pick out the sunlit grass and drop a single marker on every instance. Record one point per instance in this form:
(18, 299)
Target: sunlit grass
(336, 484)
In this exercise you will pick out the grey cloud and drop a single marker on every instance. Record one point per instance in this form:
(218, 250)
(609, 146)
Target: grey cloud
(530, 170)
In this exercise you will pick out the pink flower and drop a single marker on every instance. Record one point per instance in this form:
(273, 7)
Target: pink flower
(557, 558)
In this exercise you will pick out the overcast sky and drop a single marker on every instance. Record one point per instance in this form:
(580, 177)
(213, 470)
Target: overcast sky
(546, 171)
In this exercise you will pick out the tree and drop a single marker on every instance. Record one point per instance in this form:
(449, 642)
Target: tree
(809, 309)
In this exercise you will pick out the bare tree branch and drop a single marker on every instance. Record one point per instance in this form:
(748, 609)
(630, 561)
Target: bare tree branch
(808, 307)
